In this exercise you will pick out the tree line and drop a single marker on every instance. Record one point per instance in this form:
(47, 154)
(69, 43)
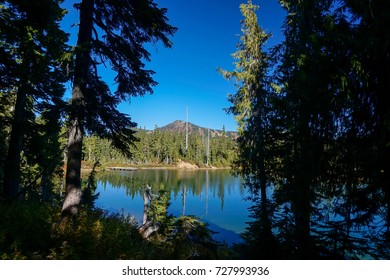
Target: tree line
(160, 147)
(313, 120)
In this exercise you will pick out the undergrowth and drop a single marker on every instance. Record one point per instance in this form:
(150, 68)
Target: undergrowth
(32, 230)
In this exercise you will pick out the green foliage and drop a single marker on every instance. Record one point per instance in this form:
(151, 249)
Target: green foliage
(25, 230)
(125, 26)
(328, 121)
(32, 80)
(250, 67)
(158, 208)
(97, 235)
(89, 194)
(191, 239)
(184, 237)
(251, 104)
(162, 148)
(6, 103)
(34, 231)
(252, 107)
(313, 122)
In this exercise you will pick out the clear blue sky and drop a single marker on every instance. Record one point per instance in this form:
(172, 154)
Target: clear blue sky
(187, 74)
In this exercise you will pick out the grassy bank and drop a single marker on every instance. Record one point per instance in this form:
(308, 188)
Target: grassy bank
(33, 231)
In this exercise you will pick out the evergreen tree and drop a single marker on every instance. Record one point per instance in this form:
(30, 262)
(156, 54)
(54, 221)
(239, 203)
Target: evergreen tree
(124, 27)
(31, 50)
(6, 103)
(307, 114)
(369, 109)
(251, 107)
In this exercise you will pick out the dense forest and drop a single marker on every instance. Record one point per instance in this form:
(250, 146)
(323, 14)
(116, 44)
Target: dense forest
(166, 146)
(313, 140)
(313, 121)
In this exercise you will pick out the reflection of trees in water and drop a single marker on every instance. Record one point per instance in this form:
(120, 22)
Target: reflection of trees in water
(349, 225)
(178, 182)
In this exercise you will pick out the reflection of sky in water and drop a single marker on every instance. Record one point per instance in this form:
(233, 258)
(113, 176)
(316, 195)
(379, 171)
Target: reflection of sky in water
(114, 200)
(213, 195)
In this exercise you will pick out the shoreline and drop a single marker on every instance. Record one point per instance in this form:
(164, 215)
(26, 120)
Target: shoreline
(180, 165)
(134, 168)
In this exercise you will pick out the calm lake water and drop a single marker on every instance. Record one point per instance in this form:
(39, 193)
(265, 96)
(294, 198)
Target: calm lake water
(215, 196)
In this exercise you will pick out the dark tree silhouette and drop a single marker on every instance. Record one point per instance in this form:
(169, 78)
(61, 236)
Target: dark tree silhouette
(111, 33)
(31, 49)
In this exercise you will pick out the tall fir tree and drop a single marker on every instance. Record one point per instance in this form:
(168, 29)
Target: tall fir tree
(124, 27)
(306, 116)
(251, 107)
(31, 51)
(370, 103)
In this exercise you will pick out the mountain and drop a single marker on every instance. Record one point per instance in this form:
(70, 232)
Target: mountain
(180, 126)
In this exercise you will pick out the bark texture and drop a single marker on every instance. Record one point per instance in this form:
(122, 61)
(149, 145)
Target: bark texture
(76, 119)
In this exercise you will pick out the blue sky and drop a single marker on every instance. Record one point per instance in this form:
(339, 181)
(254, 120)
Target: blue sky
(187, 74)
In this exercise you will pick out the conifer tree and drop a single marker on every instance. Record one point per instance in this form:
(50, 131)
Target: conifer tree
(307, 114)
(31, 50)
(369, 104)
(251, 107)
(111, 33)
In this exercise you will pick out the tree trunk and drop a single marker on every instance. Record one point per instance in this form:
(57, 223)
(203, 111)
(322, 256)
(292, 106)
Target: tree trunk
(147, 199)
(73, 170)
(302, 213)
(302, 229)
(12, 163)
(267, 239)
(148, 226)
(76, 118)
(46, 186)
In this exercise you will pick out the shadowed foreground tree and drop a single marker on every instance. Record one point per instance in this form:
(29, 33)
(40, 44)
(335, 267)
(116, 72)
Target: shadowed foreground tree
(111, 33)
(328, 151)
(370, 109)
(306, 114)
(334, 61)
(30, 68)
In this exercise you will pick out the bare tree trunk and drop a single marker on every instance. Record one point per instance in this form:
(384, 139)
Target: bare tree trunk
(147, 198)
(148, 226)
(76, 119)
(208, 148)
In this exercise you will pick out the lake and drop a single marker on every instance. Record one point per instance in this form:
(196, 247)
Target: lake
(215, 196)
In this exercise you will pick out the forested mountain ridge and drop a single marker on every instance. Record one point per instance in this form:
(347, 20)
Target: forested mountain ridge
(180, 127)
